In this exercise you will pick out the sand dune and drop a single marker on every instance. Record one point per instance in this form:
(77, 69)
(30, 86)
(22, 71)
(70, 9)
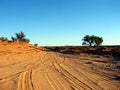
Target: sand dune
(24, 67)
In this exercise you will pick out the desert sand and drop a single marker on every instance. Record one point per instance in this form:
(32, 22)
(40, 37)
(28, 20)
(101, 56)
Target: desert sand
(26, 67)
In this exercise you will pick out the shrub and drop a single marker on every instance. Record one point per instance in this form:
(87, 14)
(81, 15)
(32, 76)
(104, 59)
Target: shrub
(36, 44)
(3, 39)
(20, 37)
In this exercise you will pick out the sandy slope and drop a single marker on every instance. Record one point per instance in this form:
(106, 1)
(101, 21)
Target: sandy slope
(23, 67)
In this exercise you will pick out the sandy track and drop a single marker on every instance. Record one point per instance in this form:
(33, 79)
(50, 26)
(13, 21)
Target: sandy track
(55, 71)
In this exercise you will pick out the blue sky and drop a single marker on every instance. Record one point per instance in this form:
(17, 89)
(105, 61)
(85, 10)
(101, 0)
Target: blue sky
(61, 22)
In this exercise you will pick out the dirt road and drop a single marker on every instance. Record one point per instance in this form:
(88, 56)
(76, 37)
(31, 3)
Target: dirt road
(55, 71)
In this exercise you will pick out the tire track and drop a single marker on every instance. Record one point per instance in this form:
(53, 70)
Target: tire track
(75, 84)
(19, 71)
(87, 77)
(25, 82)
(3, 80)
(70, 78)
(25, 78)
(66, 75)
(53, 85)
(59, 73)
(56, 82)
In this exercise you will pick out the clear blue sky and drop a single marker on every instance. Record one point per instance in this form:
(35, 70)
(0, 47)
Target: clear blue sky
(61, 22)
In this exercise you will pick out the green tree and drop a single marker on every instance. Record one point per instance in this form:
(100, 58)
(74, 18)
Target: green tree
(20, 37)
(92, 40)
(98, 41)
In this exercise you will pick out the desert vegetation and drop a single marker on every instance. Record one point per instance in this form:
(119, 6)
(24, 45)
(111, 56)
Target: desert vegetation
(3, 39)
(35, 44)
(92, 40)
(20, 37)
(88, 40)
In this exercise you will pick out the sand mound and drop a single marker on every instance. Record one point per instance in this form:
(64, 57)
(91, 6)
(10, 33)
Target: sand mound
(8, 48)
